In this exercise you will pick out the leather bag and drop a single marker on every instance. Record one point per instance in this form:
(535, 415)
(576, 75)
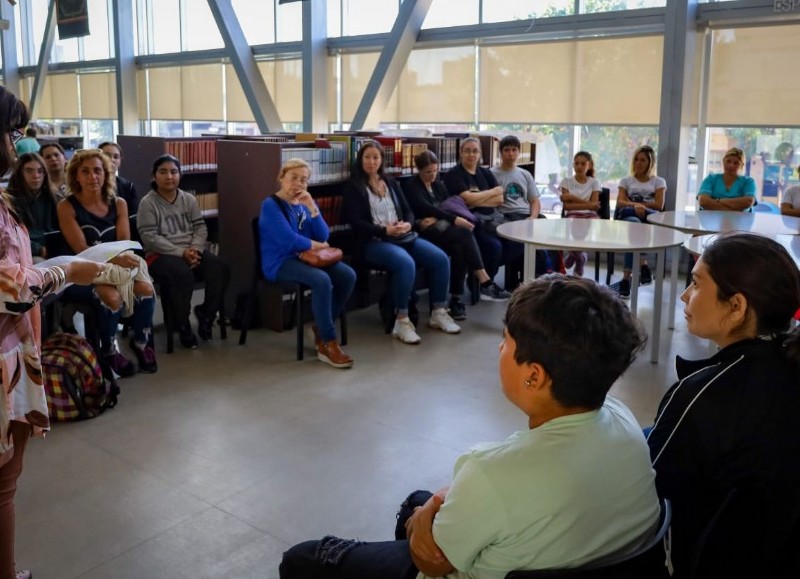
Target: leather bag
(322, 257)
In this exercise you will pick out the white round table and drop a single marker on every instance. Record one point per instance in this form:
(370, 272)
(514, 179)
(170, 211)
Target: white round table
(695, 245)
(701, 222)
(599, 235)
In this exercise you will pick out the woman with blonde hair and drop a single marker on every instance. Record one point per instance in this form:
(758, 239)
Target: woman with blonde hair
(290, 223)
(92, 214)
(640, 193)
(729, 190)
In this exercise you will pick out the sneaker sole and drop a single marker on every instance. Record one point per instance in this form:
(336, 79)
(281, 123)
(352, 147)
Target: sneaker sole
(486, 298)
(441, 329)
(323, 358)
(400, 338)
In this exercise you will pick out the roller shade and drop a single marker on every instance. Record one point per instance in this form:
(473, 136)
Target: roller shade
(608, 81)
(753, 79)
(192, 93)
(98, 95)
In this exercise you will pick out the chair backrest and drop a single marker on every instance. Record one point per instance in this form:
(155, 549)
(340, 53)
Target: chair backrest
(605, 203)
(647, 561)
(257, 247)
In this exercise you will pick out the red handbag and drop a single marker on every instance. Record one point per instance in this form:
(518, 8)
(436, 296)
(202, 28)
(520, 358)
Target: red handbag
(322, 257)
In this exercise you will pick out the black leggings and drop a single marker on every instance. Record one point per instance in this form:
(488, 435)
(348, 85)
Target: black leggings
(461, 246)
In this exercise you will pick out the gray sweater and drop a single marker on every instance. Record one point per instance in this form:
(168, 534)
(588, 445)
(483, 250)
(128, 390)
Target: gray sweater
(170, 228)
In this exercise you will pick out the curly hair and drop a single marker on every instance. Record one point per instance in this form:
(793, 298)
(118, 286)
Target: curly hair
(109, 189)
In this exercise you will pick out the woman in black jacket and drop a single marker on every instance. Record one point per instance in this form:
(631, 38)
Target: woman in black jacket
(382, 221)
(447, 230)
(725, 444)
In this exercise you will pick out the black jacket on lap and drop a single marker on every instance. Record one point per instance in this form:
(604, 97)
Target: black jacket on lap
(726, 450)
(425, 204)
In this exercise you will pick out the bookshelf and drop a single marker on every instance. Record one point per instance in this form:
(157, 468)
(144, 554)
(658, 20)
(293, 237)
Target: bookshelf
(198, 157)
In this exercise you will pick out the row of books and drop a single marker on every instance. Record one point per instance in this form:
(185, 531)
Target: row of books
(331, 209)
(328, 163)
(198, 155)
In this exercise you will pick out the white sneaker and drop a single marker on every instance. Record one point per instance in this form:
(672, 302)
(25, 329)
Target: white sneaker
(441, 320)
(405, 331)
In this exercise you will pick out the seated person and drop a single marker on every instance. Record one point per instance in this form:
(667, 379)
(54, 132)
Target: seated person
(725, 444)
(376, 209)
(576, 487)
(478, 188)
(580, 195)
(125, 188)
(729, 190)
(520, 201)
(790, 203)
(56, 162)
(290, 223)
(174, 237)
(639, 194)
(29, 143)
(92, 214)
(453, 233)
(520, 194)
(34, 201)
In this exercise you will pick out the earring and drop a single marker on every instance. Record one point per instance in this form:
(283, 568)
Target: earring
(527, 383)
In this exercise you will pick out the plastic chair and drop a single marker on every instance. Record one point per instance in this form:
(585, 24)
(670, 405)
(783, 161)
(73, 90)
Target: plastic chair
(649, 561)
(293, 288)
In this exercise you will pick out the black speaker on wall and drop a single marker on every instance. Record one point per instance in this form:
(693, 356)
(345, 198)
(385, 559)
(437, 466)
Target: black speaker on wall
(72, 17)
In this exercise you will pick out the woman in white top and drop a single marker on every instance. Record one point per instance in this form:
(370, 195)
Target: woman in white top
(580, 195)
(790, 203)
(640, 194)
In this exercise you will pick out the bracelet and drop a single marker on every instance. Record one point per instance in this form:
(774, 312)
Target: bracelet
(58, 277)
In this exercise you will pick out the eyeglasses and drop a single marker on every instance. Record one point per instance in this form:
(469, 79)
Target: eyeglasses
(16, 135)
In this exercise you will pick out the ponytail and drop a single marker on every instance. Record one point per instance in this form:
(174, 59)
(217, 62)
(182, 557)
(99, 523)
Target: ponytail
(588, 156)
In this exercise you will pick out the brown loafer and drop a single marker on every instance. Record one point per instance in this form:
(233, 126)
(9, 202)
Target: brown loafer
(332, 353)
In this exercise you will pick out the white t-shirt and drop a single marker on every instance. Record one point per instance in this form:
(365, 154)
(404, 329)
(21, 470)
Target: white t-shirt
(568, 492)
(581, 190)
(792, 196)
(639, 192)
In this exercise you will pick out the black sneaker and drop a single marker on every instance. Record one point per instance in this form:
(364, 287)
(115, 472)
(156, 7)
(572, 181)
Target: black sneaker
(625, 289)
(187, 336)
(204, 324)
(457, 310)
(645, 275)
(493, 293)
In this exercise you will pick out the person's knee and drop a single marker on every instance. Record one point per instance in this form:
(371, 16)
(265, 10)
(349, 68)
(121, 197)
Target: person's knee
(298, 561)
(109, 297)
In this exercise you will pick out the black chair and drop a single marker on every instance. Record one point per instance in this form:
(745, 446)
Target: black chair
(647, 562)
(296, 290)
(162, 290)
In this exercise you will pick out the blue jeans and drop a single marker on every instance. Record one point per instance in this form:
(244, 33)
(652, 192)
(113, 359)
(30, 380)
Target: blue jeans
(627, 264)
(401, 262)
(330, 289)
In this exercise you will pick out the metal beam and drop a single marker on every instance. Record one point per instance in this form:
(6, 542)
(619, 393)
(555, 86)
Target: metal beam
(125, 63)
(244, 63)
(676, 91)
(44, 57)
(315, 66)
(391, 62)
(8, 44)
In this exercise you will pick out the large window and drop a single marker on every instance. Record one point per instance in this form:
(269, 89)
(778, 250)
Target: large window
(257, 18)
(524, 9)
(444, 13)
(201, 30)
(368, 16)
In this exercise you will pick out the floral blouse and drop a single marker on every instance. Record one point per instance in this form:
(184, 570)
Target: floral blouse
(22, 396)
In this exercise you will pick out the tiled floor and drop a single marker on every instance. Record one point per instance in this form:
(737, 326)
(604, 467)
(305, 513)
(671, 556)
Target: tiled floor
(215, 465)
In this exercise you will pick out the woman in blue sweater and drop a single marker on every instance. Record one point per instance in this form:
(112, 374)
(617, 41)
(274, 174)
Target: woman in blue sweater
(290, 223)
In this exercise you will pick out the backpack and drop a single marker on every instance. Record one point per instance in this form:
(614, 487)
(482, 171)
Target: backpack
(77, 386)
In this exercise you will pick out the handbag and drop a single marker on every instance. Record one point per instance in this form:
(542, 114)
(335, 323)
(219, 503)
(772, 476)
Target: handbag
(322, 257)
(490, 220)
(406, 239)
(456, 205)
